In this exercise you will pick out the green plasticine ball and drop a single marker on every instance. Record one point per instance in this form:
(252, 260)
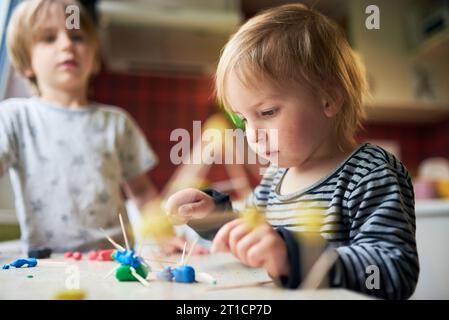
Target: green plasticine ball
(123, 273)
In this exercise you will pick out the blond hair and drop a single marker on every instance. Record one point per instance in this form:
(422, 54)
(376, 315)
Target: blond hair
(292, 43)
(25, 23)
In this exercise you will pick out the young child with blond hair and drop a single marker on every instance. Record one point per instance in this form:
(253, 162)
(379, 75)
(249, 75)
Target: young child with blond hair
(291, 70)
(69, 159)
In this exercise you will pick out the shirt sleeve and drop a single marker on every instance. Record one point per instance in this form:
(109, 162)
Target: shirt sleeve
(382, 258)
(136, 155)
(222, 204)
(8, 137)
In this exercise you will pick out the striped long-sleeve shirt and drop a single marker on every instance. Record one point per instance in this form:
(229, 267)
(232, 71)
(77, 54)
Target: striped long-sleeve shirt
(368, 216)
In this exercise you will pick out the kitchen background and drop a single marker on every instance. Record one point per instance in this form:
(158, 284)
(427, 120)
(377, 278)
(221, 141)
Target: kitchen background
(158, 57)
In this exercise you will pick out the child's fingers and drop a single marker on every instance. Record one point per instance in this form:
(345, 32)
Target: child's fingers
(276, 263)
(248, 241)
(244, 245)
(267, 254)
(197, 209)
(258, 253)
(187, 204)
(235, 235)
(221, 240)
(182, 197)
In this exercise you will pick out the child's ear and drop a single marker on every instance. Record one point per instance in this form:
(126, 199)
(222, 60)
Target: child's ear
(29, 73)
(332, 103)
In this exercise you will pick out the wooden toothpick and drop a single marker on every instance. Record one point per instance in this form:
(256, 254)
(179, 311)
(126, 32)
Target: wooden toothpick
(191, 250)
(123, 231)
(183, 253)
(151, 258)
(115, 244)
(138, 277)
(110, 272)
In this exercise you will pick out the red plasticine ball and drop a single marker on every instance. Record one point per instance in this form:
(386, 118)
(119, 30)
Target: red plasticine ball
(92, 255)
(105, 255)
(68, 254)
(77, 255)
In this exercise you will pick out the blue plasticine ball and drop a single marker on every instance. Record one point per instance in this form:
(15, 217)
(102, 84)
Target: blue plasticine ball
(127, 258)
(30, 262)
(165, 274)
(184, 274)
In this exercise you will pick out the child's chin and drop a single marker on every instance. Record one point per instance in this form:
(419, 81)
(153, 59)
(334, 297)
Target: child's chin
(272, 160)
(282, 163)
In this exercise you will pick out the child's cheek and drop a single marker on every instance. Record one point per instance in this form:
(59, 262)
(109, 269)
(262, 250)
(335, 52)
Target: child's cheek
(251, 135)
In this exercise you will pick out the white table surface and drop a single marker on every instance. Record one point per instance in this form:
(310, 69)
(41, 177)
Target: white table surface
(48, 280)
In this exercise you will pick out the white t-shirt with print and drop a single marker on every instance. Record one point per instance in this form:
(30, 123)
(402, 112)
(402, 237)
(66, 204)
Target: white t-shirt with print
(67, 167)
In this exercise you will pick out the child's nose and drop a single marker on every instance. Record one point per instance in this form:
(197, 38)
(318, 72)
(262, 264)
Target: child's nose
(256, 135)
(251, 134)
(65, 42)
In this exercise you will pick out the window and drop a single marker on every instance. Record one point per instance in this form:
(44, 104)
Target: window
(6, 9)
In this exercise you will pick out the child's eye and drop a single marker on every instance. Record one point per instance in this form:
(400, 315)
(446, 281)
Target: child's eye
(49, 38)
(269, 112)
(77, 37)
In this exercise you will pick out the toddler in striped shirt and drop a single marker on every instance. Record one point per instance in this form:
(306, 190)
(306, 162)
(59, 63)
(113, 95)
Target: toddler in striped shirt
(290, 70)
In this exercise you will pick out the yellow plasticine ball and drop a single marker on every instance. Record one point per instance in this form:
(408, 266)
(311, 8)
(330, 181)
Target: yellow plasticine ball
(157, 226)
(70, 294)
(252, 217)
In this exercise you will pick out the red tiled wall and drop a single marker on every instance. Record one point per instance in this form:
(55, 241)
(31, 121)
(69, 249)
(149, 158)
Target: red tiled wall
(438, 144)
(161, 104)
(417, 142)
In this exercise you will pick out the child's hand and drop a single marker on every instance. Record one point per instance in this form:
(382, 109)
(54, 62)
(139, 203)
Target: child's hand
(189, 204)
(259, 247)
(176, 245)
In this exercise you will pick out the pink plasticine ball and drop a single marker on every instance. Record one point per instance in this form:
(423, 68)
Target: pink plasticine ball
(92, 255)
(77, 255)
(105, 255)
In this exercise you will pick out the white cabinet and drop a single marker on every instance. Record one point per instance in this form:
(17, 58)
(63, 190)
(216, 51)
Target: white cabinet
(432, 237)
(405, 83)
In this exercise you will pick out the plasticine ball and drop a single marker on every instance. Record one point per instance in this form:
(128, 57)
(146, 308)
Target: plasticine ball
(184, 273)
(70, 294)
